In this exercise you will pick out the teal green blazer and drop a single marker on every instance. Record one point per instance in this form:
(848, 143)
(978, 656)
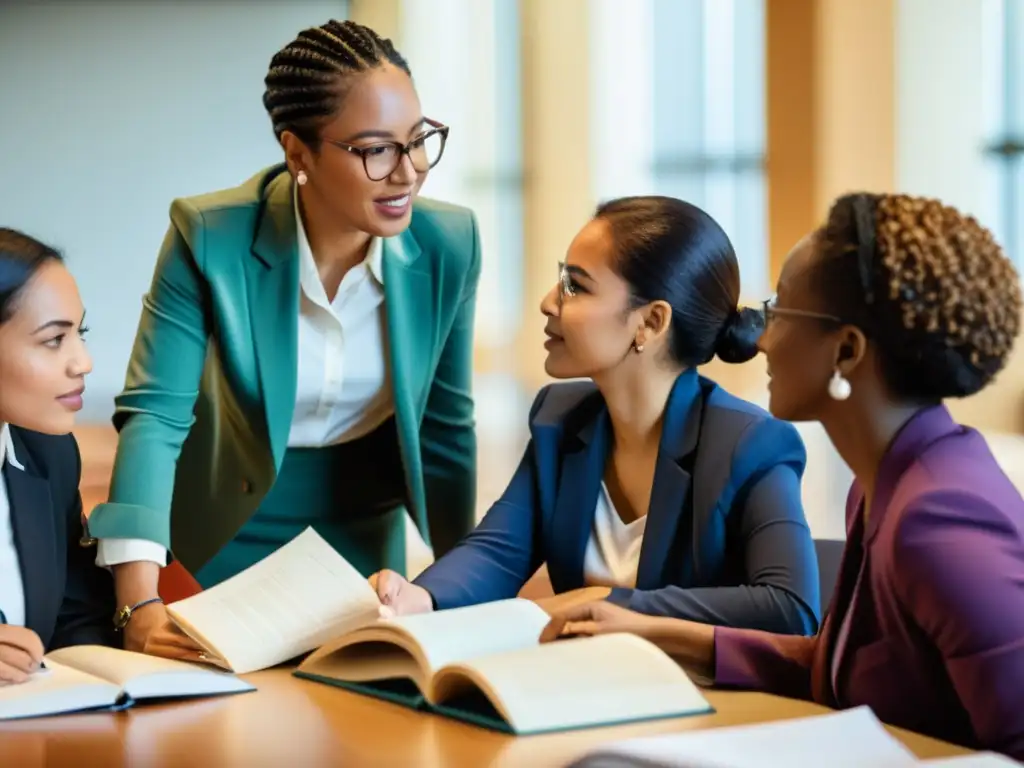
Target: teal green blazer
(207, 405)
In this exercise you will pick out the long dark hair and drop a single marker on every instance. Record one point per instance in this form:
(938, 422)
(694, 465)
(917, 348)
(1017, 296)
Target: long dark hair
(21, 257)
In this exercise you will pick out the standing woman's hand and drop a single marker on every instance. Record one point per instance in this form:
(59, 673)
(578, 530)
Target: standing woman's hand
(151, 631)
(21, 653)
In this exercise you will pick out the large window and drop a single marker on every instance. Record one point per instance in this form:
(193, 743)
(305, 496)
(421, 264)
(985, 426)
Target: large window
(1004, 85)
(467, 75)
(678, 109)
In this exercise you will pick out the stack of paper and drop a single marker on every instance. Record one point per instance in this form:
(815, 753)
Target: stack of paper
(848, 739)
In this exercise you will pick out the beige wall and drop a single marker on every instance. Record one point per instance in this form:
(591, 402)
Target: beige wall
(833, 125)
(832, 128)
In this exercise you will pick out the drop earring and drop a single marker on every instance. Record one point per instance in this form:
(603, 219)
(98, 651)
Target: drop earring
(838, 387)
(301, 178)
(638, 348)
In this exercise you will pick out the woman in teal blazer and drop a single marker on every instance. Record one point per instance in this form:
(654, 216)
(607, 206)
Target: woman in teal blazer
(304, 355)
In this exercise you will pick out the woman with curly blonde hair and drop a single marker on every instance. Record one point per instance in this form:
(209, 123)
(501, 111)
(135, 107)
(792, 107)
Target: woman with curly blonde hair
(896, 304)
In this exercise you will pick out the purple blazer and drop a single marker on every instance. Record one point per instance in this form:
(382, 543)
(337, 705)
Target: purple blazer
(936, 637)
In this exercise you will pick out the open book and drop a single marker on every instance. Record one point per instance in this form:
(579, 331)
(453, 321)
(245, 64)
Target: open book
(290, 602)
(91, 677)
(483, 664)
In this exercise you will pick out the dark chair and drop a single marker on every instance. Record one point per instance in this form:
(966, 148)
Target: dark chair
(830, 553)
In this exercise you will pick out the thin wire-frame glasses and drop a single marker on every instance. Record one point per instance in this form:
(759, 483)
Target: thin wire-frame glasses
(770, 311)
(382, 159)
(565, 284)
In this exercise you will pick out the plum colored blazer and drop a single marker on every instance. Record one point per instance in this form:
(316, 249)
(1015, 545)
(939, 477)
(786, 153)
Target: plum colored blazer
(936, 641)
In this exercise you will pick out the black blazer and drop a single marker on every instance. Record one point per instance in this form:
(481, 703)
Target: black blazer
(68, 599)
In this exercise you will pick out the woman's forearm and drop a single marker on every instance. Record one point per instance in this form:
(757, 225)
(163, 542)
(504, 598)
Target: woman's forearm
(136, 581)
(689, 643)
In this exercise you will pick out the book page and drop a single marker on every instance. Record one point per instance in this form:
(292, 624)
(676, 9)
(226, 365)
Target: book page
(291, 602)
(581, 682)
(460, 634)
(143, 676)
(55, 690)
(797, 743)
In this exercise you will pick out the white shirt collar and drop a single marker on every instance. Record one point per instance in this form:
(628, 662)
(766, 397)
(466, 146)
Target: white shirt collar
(7, 448)
(307, 265)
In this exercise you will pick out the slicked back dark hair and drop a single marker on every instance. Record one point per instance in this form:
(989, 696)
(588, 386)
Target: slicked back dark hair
(21, 257)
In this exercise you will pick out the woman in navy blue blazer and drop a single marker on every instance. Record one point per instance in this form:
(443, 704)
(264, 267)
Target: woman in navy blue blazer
(649, 484)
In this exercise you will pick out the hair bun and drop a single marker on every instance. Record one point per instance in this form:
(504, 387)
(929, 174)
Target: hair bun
(737, 341)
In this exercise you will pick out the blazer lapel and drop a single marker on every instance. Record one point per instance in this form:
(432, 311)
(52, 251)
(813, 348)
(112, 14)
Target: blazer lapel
(669, 513)
(32, 517)
(578, 488)
(409, 301)
(844, 603)
(273, 289)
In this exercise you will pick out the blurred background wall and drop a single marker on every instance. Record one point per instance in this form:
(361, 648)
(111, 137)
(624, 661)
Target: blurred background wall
(761, 111)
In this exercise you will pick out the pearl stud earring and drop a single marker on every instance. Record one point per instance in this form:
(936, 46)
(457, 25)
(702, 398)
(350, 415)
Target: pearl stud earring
(838, 387)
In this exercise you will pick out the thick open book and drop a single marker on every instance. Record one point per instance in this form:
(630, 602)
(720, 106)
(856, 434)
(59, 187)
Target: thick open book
(92, 677)
(483, 664)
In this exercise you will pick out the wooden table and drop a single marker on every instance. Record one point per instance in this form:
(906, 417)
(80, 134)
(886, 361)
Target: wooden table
(298, 724)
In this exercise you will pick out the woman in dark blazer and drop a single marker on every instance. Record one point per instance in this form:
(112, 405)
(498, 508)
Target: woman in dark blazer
(51, 593)
(895, 305)
(648, 484)
(304, 356)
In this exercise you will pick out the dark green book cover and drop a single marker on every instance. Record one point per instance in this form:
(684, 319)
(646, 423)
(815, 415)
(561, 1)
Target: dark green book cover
(473, 707)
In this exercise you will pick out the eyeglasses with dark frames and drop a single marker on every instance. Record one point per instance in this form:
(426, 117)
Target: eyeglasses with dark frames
(382, 159)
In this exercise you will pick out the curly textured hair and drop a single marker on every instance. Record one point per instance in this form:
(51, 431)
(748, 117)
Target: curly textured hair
(929, 286)
(309, 77)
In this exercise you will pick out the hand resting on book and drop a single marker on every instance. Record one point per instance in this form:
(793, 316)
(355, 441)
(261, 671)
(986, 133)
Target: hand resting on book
(152, 632)
(598, 617)
(690, 643)
(21, 653)
(399, 595)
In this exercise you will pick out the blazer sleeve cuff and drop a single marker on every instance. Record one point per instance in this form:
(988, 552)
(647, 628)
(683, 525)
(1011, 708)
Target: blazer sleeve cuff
(112, 520)
(111, 552)
(731, 668)
(440, 598)
(621, 596)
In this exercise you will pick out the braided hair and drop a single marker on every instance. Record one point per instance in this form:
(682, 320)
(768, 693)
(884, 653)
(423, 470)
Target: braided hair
(929, 286)
(308, 78)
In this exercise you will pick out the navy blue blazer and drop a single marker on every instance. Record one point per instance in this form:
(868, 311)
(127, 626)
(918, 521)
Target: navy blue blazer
(68, 599)
(726, 541)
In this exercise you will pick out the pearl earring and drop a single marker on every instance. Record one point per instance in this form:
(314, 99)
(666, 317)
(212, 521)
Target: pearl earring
(638, 347)
(301, 178)
(838, 387)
